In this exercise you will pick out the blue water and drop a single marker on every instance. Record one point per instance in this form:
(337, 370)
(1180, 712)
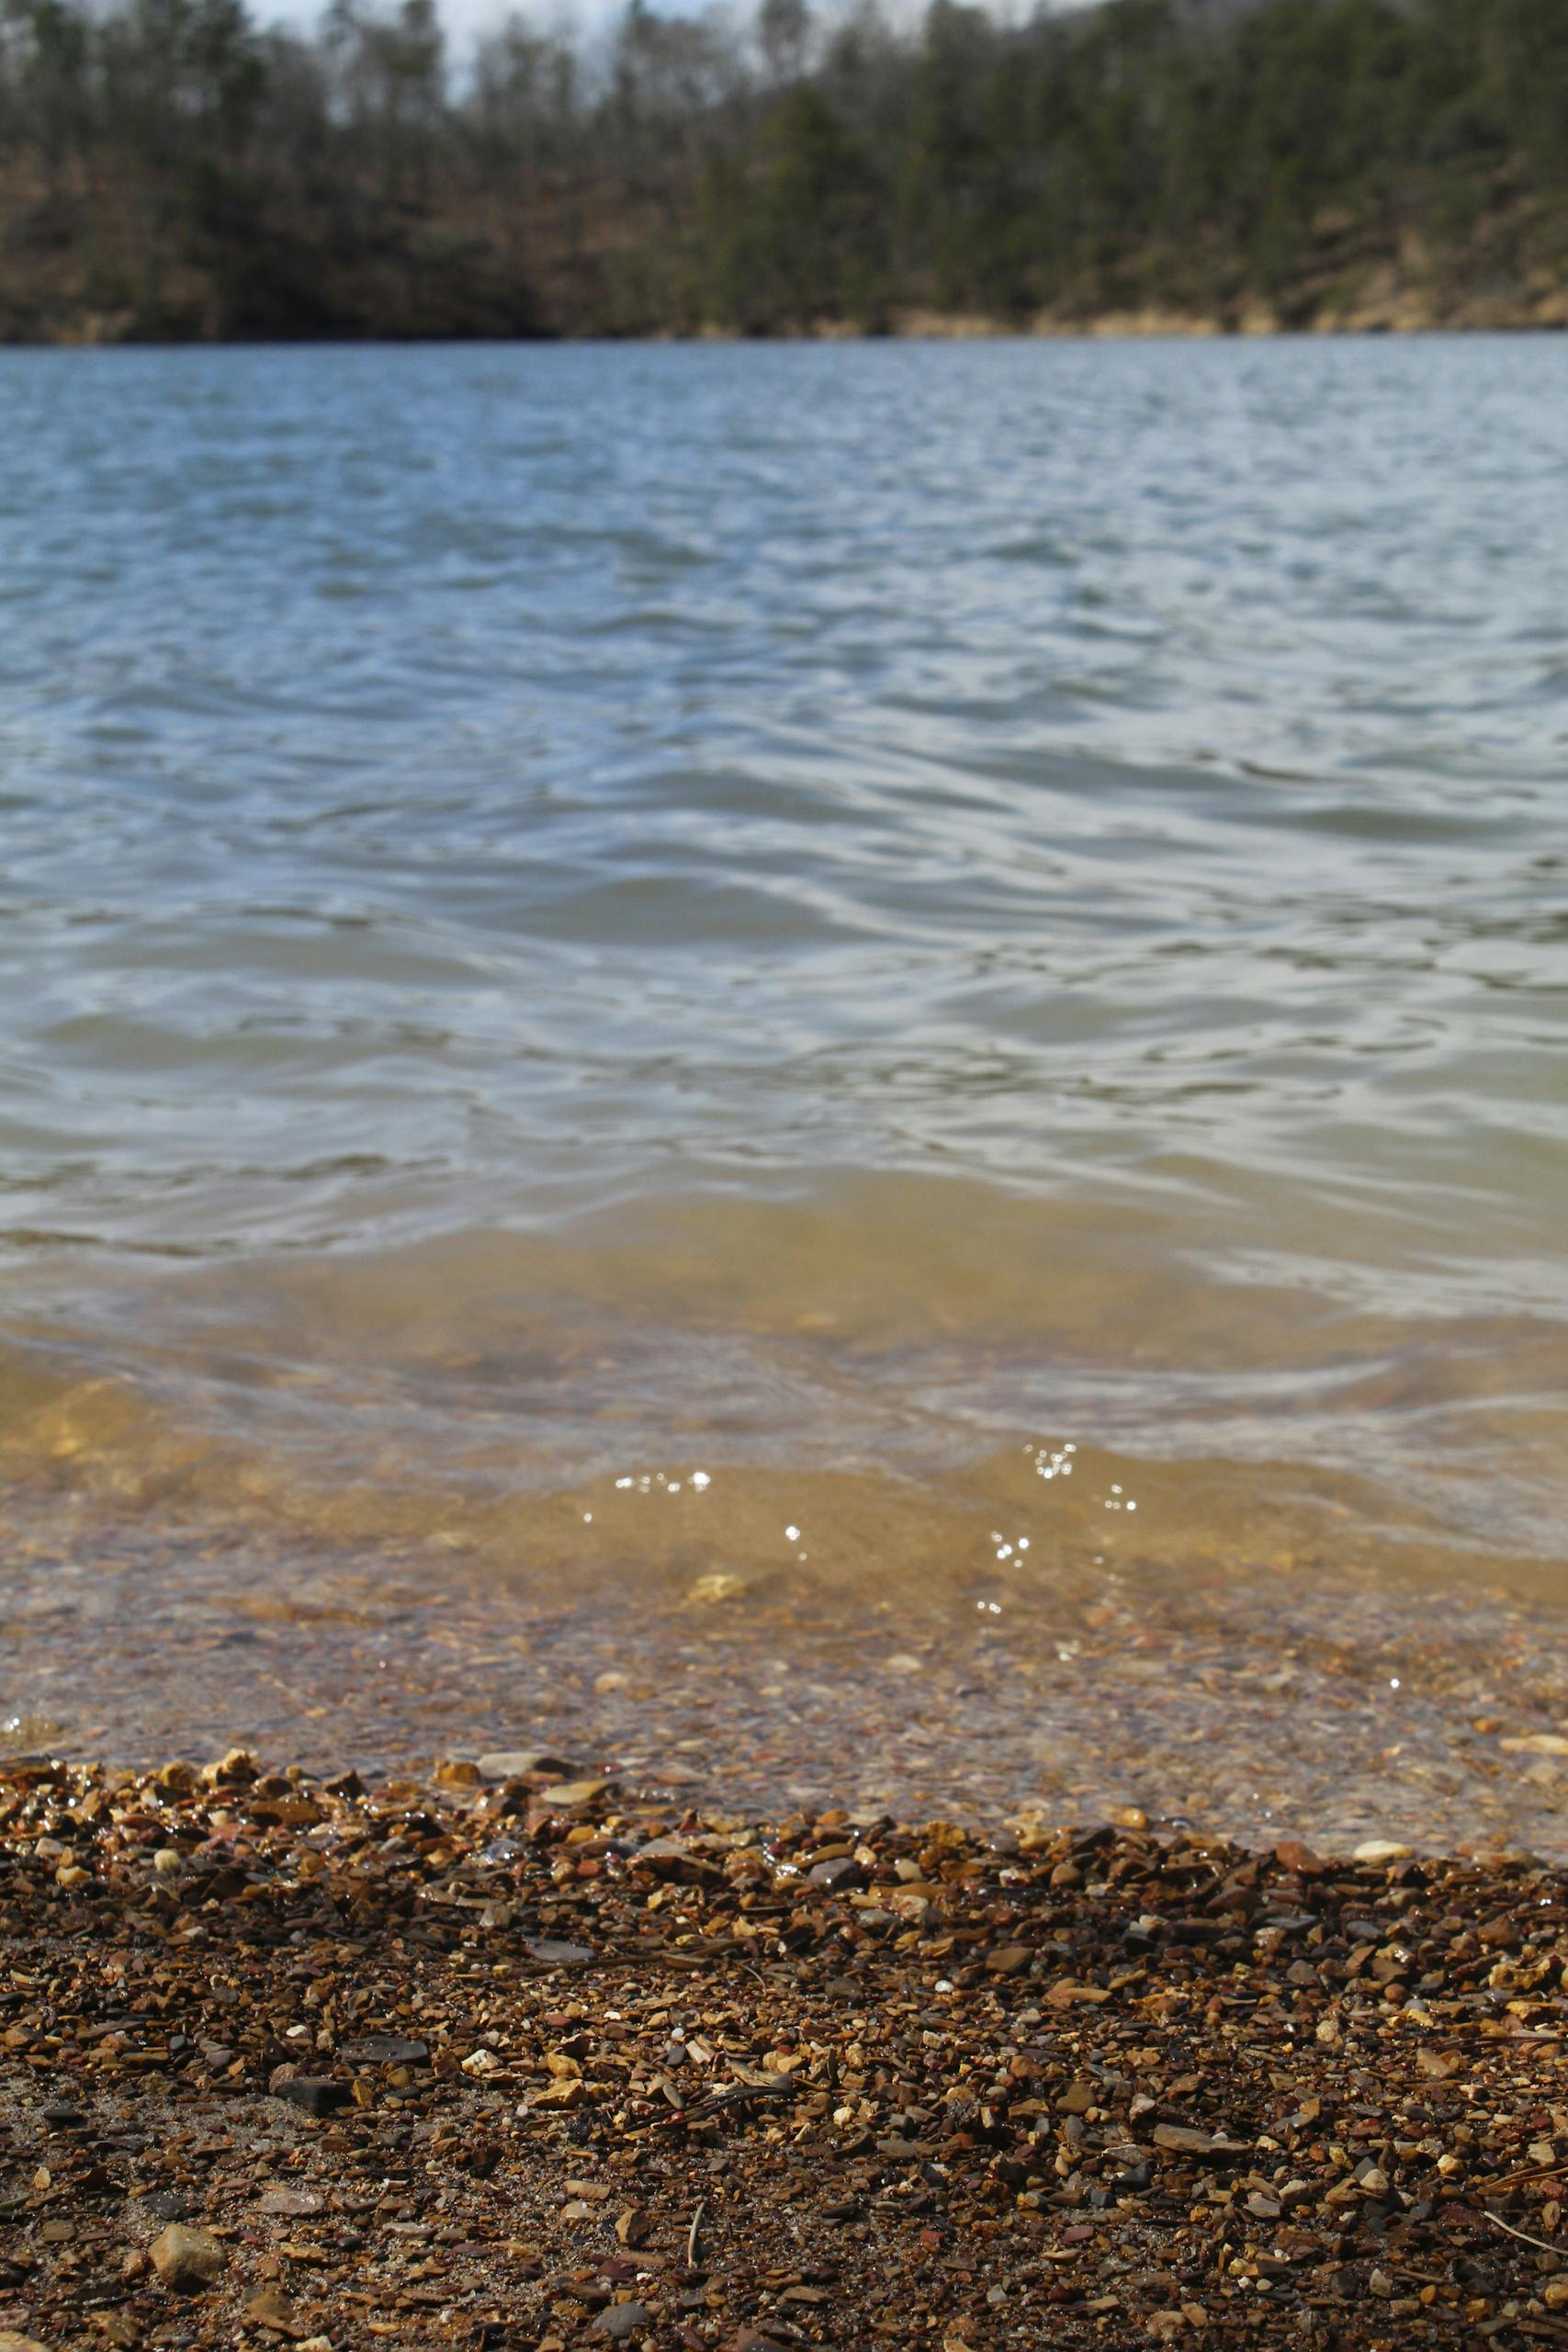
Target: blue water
(839, 903)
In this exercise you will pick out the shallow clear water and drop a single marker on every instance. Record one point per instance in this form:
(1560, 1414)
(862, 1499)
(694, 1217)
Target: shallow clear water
(820, 913)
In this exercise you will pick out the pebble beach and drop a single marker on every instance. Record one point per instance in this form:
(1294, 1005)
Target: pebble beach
(497, 2057)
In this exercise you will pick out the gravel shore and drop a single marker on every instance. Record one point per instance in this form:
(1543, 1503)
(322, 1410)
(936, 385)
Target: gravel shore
(509, 2058)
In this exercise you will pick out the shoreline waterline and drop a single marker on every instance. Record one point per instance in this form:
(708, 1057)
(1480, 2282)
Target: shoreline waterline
(1256, 1694)
(1402, 313)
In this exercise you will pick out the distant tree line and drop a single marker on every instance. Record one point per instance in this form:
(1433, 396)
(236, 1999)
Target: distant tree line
(172, 168)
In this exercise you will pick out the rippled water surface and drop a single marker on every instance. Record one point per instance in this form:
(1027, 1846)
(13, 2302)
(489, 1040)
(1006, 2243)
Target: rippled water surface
(821, 914)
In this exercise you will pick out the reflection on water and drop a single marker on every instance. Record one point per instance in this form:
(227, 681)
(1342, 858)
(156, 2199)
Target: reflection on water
(821, 915)
(883, 1355)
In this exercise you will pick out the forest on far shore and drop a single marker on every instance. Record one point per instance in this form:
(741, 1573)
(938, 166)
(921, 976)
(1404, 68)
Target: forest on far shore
(174, 170)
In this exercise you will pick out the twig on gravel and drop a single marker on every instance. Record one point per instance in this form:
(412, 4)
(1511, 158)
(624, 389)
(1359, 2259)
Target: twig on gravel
(1528, 2173)
(1523, 2235)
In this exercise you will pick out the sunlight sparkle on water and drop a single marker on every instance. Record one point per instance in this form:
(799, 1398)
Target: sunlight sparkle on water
(1057, 1464)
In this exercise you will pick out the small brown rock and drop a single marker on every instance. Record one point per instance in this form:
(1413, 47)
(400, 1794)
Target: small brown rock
(185, 2259)
(568, 1793)
(270, 2308)
(559, 2097)
(1181, 2142)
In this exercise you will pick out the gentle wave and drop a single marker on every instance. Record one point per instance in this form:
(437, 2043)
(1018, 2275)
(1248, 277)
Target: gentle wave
(1044, 862)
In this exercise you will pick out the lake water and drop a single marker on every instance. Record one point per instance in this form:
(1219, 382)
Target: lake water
(970, 941)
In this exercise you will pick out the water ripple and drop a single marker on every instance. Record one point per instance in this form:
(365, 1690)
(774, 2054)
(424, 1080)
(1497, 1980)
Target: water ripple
(448, 790)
